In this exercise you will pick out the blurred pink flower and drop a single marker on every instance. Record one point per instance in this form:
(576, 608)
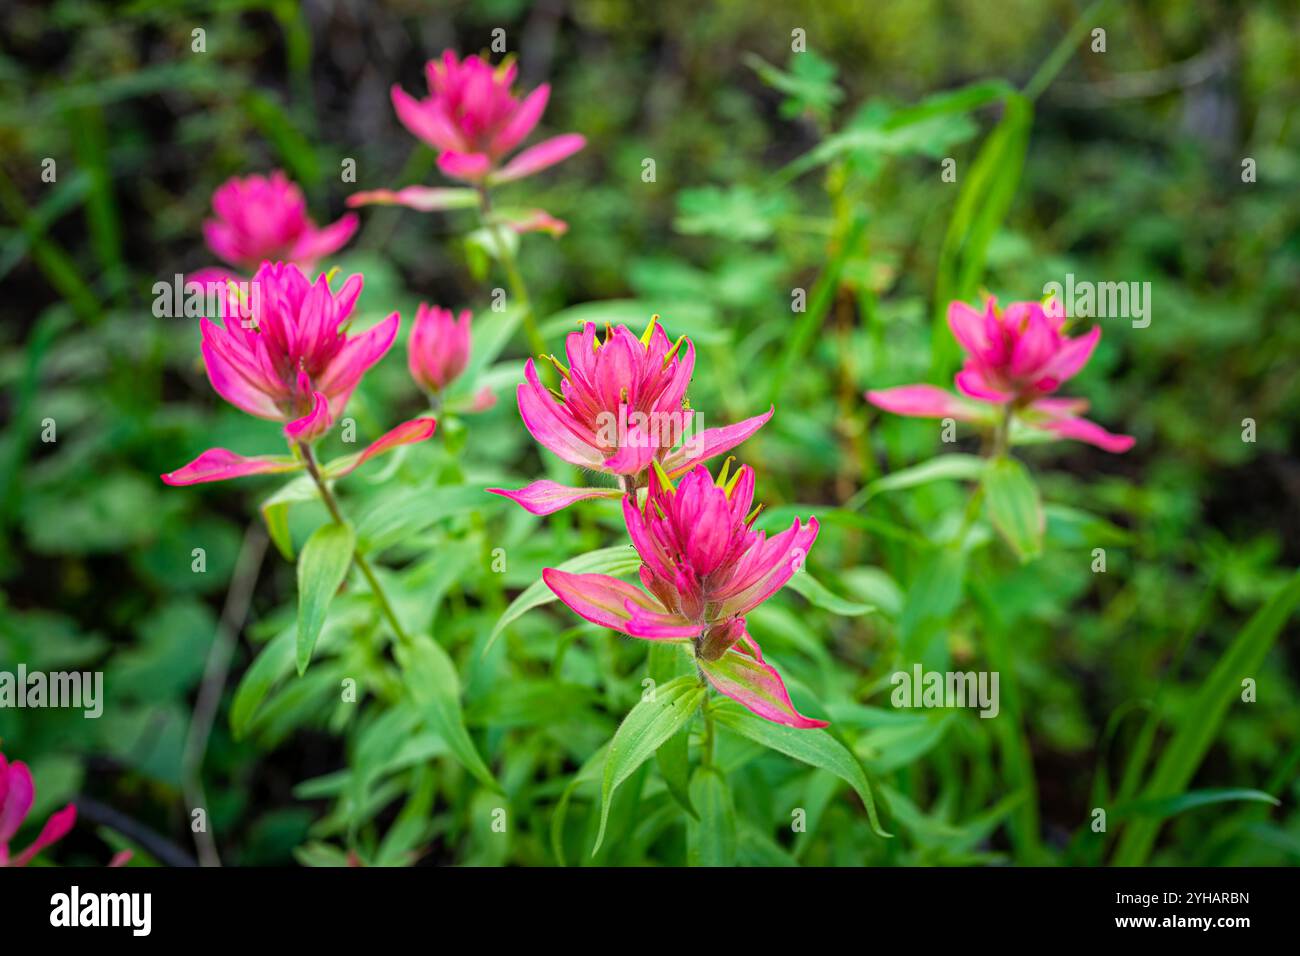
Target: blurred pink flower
(16, 795)
(286, 355)
(473, 120)
(263, 218)
(1017, 357)
(621, 406)
(438, 350)
(705, 568)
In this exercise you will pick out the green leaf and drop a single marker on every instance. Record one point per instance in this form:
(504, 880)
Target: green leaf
(621, 559)
(1162, 807)
(271, 666)
(646, 727)
(711, 840)
(431, 679)
(666, 662)
(275, 511)
(817, 594)
(1204, 711)
(321, 569)
(955, 467)
(814, 747)
(1014, 506)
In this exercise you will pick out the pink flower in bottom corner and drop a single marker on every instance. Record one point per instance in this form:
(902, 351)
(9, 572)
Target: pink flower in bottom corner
(1016, 357)
(621, 407)
(286, 355)
(260, 218)
(16, 795)
(703, 568)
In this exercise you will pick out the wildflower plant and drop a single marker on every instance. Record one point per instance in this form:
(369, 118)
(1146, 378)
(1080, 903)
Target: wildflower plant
(632, 580)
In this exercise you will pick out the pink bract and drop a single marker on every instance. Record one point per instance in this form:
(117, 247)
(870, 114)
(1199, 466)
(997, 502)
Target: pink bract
(285, 354)
(703, 569)
(261, 218)
(474, 121)
(16, 795)
(1015, 357)
(438, 349)
(621, 407)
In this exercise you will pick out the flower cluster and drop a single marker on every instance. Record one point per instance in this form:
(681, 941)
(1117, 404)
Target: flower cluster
(293, 361)
(474, 122)
(622, 410)
(264, 218)
(1015, 360)
(704, 567)
(621, 407)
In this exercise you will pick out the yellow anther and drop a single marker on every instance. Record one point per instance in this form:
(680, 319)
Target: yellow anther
(753, 514)
(329, 276)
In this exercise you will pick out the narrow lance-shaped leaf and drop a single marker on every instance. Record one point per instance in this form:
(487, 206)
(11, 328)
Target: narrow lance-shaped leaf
(1014, 506)
(321, 569)
(644, 729)
(666, 662)
(711, 841)
(815, 747)
(431, 678)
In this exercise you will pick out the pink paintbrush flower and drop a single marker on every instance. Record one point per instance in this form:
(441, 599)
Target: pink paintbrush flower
(438, 350)
(262, 218)
(473, 120)
(16, 795)
(1015, 357)
(285, 355)
(705, 568)
(621, 407)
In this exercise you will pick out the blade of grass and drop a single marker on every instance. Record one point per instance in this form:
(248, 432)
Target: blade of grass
(1198, 724)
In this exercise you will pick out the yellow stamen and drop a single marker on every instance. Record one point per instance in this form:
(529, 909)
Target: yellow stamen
(503, 66)
(559, 366)
(649, 330)
(663, 476)
(673, 351)
(329, 276)
(753, 514)
(730, 486)
(721, 480)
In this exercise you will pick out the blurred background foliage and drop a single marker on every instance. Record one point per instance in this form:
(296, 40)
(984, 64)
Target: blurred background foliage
(774, 171)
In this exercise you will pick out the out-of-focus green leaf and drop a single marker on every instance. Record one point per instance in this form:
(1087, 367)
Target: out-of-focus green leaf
(321, 569)
(1014, 506)
(431, 679)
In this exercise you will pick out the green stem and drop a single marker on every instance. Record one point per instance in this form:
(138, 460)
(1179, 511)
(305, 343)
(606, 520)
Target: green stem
(1065, 49)
(1002, 434)
(514, 279)
(332, 505)
(706, 743)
